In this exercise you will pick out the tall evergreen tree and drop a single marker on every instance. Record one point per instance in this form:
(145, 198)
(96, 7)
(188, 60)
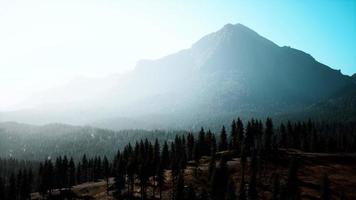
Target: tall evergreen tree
(119, 180)
(178, 193)
(292, 187)
(160, 179)
(268, 134)
(283, 142)
(240, 133)
(223, 144)
(190, 146)
(233, 136)
(2, 188)
(219, 179)
(11, 191)
(106, 172)
(325, 193)
(212, 166)
(191, 193)
(243, 160)
(165, 155)
(71, 172)
(202, 148)
(252, 187)
(231, 190)
(276, 187)
(242, 191)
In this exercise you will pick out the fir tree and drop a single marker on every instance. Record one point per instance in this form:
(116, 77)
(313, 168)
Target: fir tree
(71, 172)
(268, 134)
(2, 188)
(191, 193)
(240, 134)
(252, 187)
(231, 190)
(233, 136)
(276, 187)
(178, 193)
(292, 187)
(325, 193)
(160, 179)
(11, 191)
(223, 144)
(106, 173)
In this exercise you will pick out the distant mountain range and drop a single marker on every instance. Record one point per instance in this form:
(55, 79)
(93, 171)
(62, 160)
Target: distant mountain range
(228, 73)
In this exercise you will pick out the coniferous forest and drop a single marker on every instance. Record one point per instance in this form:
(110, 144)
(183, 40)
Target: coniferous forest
(252, 160)
(177, 100)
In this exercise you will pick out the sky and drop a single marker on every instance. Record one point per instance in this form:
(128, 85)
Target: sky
(48, 43)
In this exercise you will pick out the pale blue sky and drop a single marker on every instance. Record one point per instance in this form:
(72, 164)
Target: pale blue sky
(45, 43)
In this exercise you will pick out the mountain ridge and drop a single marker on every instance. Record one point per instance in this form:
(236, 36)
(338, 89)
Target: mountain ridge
(233, 71)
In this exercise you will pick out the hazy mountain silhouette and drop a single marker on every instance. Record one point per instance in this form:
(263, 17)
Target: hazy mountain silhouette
(231, 72)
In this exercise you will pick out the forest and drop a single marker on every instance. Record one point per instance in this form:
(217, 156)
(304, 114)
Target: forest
(196, 165)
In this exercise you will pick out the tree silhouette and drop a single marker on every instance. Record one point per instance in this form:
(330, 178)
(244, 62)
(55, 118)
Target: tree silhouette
(292, 187)
(223, 144)
(325, 188)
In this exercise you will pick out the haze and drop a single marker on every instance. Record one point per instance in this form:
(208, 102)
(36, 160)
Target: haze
(46, 44)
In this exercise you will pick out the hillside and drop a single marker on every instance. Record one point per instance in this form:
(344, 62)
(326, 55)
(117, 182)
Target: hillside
(228, 72)
(22, 141)
(340, 168)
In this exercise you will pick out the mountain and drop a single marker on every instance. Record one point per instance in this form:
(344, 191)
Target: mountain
(354, 77)
(231, 72)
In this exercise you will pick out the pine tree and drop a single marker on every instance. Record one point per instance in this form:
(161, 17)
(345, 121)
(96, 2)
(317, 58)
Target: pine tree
(223, 144)
(276, 187)
(178, 193)
(106, 173)
(84, 170)
(160, 179)
(252, 187)
(283, 142)
(292, 187)
(119, 175)
(2, 188)
(202, 149)
(240, 134)
(190, 146)
(243, 159)
(30, 180)
(165, 156)
(233, 136)
(79, 175)
(19, 184)
(209, 143)
(64, 172)
(191, 193)
(231, 190)
(325, 188)
(11, 191)
(219, 179)
(242, 191)
(71, 172)
(212, 166)
(268, 134)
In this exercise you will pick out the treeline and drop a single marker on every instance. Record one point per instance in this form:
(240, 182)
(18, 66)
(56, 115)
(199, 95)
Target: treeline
(145, 162)
(38, 142)
(17, 186)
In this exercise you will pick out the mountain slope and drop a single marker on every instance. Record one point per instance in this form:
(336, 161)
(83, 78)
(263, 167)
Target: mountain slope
(231, 72)
(234, 71)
